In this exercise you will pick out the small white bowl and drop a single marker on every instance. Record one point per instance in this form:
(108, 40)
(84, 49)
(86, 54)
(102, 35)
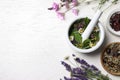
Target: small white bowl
(108, 23)
(102, 36)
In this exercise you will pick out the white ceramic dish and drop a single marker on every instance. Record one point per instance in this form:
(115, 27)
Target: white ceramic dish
(102, 36)
(108, 23)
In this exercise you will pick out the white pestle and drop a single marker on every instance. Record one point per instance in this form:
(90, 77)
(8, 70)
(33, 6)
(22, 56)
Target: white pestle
(91, 25)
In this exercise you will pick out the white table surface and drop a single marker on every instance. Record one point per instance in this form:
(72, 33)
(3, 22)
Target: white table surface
(33, 40)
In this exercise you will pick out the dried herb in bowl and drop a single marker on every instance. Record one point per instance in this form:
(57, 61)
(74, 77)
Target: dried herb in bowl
(110, 58)
(76, 30)
(115, 21)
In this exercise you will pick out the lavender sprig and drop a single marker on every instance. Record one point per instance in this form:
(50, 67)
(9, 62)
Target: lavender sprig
(84, 71)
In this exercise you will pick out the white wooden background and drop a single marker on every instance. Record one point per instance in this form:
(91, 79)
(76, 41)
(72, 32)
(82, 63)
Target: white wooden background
(33, 40)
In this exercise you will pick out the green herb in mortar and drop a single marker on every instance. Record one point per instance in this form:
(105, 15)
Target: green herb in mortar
(76, 30)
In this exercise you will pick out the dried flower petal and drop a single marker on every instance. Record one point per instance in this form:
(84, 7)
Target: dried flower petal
(55, 6)
(60, 15)
(75, 11)
(75, 2)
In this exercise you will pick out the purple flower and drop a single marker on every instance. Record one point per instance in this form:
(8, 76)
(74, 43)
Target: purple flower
(78, 71)
(75, 11)
(76, 77)
(67, 66)
(73, 78)
(55, 6)
(75, 2)
(61, 15)
(73, 55)
(84, 72)
(85, 63)
(82, 78)
(94, 68)
(82, 62)
(65, 78)
(84, 67)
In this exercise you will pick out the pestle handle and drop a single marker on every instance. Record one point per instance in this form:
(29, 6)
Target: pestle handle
(91, 25)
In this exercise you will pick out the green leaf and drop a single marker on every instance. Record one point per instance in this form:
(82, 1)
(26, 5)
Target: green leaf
(97, 36)
(86, 44)
(87, 20)
(72, 31)
(77, 37)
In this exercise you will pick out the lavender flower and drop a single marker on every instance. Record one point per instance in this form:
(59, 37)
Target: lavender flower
(82, 62)
(84, 67)
(94, 68)
(75, 78)
(66, 78)
(78, 71)
(67, 66)
(83, 72)
(73, 55)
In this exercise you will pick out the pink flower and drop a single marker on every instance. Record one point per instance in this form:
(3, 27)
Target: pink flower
(55, 6)
(67, 5)
(61, 15)
(75, 2)
(75, 11)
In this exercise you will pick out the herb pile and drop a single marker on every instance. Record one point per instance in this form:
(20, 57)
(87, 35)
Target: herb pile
(115, 21)
(76, 30)
(111, 58)
(81, 70)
